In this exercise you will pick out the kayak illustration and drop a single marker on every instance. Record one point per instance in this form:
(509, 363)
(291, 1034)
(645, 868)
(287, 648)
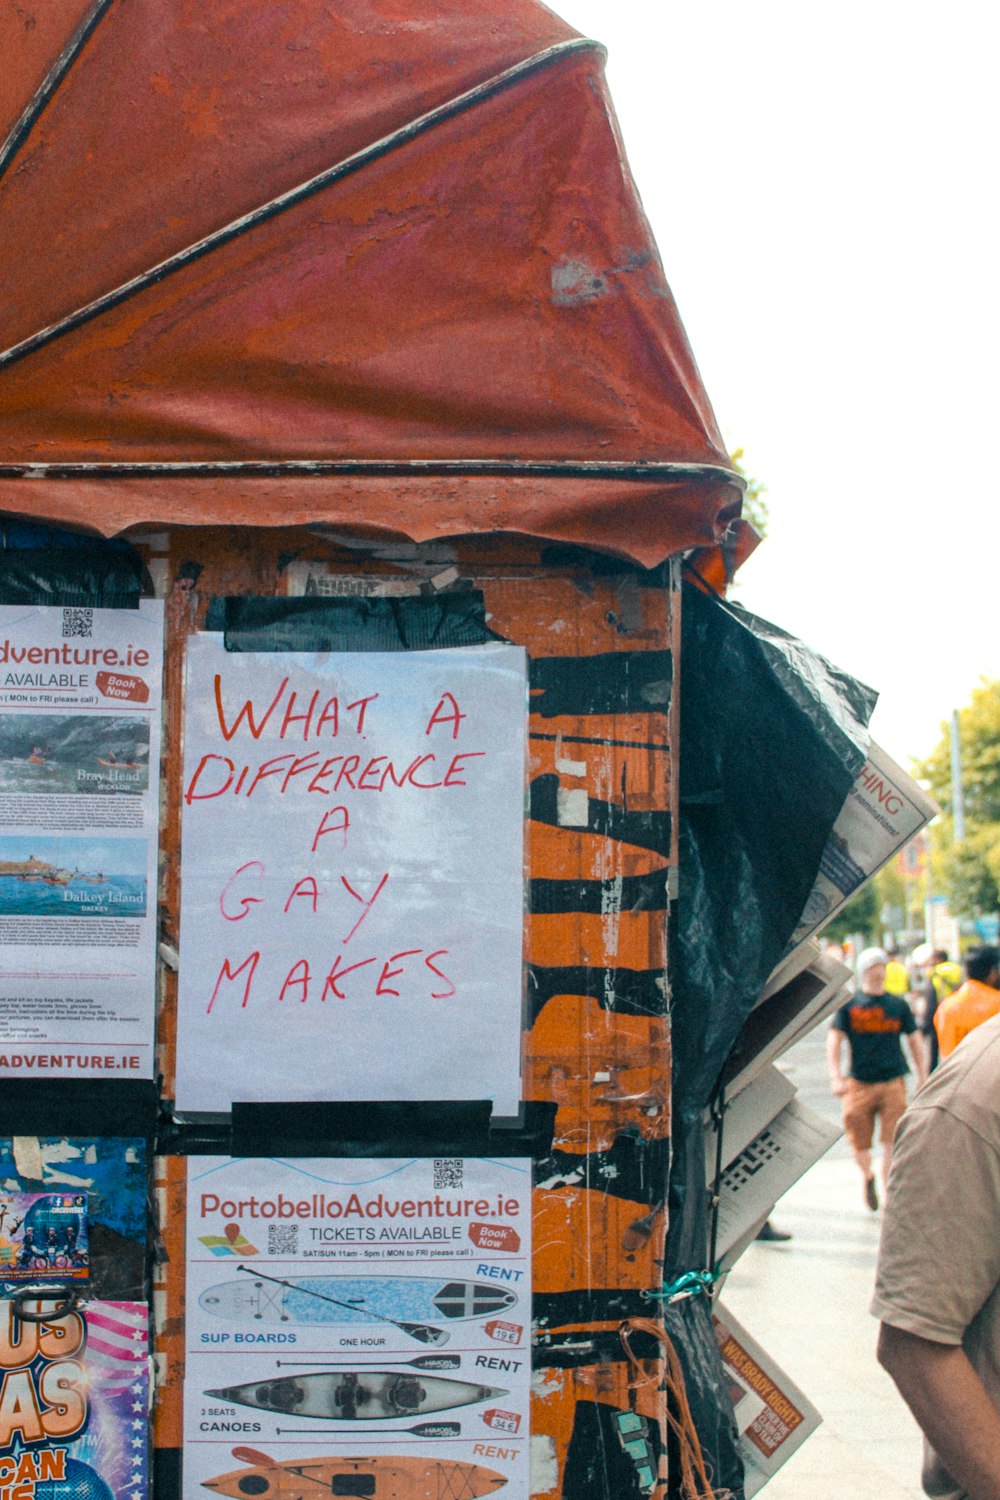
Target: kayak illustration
(371, 1478)
(352, 1299)
(357, 1395)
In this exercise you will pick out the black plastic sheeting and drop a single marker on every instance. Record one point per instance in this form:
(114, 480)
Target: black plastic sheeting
(772, 739)
(420, 623)
(42, 565)
(689, 1327)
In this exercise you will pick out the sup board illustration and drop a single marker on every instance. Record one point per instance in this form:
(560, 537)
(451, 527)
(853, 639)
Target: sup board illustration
(366, 1478)
(356, 1395)
(352, 1299)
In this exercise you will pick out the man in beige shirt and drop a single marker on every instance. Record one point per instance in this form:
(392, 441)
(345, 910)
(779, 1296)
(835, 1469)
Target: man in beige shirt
(937, 1289)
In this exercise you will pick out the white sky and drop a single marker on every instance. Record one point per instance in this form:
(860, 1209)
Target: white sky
(823, 186)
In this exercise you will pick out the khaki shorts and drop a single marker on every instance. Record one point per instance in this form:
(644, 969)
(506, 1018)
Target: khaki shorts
(863, 1102)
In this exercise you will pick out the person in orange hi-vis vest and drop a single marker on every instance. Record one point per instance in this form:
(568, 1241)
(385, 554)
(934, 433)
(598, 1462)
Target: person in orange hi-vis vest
(973, 1002)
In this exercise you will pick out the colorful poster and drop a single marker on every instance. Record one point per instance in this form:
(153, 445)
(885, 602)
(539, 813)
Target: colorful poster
(74, 1417)
(359, 1326)
(352, 878)
(74, 1420)
(74, 1208)
(43, 1237)
(80, 693)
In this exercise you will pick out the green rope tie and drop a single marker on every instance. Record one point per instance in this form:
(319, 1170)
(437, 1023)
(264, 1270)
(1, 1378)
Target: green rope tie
(687, 1285)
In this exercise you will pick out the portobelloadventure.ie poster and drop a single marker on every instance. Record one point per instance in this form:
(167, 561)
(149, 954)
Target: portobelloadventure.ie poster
(358, 1326)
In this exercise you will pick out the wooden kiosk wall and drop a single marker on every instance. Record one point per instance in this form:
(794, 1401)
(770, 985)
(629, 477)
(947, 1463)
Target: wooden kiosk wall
(600, 845)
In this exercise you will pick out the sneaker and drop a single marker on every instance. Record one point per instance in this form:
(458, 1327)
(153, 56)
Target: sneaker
(871, 1194)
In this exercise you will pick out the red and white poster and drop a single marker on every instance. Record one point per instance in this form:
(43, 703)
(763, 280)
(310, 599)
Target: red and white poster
(352, 876)
(357, 1327)
(80, 693)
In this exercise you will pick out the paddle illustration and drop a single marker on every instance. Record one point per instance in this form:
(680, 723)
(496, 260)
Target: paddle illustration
(421, 1429)
(422, 1332)
(422, 1362)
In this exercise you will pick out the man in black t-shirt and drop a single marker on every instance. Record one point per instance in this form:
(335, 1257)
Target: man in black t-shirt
(872, 1024)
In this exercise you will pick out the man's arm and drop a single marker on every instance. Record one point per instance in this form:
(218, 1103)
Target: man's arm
(951, 1404)
(834, 1042)
(918, 1052)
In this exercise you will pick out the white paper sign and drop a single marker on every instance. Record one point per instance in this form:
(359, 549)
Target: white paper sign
(359, 1327)
(80, 693)
(352, 876)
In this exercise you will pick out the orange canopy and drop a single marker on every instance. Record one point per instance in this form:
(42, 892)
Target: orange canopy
(377, 265)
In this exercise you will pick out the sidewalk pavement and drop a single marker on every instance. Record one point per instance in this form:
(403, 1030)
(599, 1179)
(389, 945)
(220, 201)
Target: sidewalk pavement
(806, 1303)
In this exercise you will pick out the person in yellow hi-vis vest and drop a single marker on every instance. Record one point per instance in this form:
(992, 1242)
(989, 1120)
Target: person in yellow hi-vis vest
(897, 976)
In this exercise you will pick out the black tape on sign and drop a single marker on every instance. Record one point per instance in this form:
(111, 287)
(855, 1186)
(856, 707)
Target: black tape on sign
(633, 1169)
(645, 829)
(357, 624)
(689, 1326)
(628, 893)
(193, 1136)
(570, 1349)
(167, 1470)
(63, 569)
(377, 1128)
(626, 992)
(363, 1128)
(574, 1309)
(78, 1106)
(614, 682)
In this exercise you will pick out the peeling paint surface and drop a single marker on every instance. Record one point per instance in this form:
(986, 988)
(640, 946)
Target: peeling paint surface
(544, 1465)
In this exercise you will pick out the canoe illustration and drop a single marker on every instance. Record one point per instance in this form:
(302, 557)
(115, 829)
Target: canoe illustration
(354, 1299)
(357, 1395)
(371, 1478)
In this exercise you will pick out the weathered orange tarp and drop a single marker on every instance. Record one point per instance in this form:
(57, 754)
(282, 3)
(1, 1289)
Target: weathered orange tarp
(374, 265)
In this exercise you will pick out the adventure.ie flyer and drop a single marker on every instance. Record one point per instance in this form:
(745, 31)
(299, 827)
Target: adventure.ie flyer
(80, 693)
(361, 1326)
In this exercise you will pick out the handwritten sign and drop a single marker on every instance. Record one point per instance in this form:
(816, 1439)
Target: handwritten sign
(352, 876)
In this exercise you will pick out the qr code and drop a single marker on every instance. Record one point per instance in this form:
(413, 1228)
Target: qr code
(282, 1239)
(751, 1161)
(78, 622)
(447, 1171)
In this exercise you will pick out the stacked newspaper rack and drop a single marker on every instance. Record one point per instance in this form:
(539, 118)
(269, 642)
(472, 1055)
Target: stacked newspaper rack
(769, 1138)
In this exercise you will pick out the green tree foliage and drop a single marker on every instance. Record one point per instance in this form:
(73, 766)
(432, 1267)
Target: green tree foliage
(860, 915)
(969, 870)
(754, 504)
